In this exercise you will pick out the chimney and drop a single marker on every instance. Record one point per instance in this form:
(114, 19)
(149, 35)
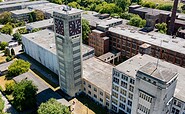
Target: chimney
(173, 16)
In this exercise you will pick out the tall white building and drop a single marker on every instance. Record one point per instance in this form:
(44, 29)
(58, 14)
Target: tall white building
(67, 22)
(139, 88)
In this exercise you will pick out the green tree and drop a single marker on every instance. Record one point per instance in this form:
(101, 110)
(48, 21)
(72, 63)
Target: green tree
(85, 31)
(3, 45)
(108, 8)
(1, 104)
(12, 52)
(5, 17)
(57, 1)
(137, 21)
(9, 58)
(7, 29)
(149, 4)
(162, 27)
(18, 67)
(74, 4)
(17, 36)
(24, 95)
(53, 107)
(22, 31)
(123, 4)
(9, 87)
(127, 15)
(35, 30)
(167, 7)
(37, 15)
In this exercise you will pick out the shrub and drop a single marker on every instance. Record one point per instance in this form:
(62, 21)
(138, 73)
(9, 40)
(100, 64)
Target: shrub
(9, 87)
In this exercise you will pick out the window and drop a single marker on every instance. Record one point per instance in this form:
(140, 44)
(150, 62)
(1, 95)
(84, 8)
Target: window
(116, 73)
(130, 95)
(124, 77)
(129, 103)
(89, 92)
(114, 101)
(107, 97)
(84, 89)
(84, 82)
(129, 110)
(107, 103)
(114, 94)
(89, 85)
(101, 99)
(132, 81)
(131, 88)
(95, 96)
(121, 105)
(123, 99)
(123, 92)
(124, 84)
(101, 93)
(116, 80)
(95, 89)
(115, 87)
(114, 108)
(175, 111)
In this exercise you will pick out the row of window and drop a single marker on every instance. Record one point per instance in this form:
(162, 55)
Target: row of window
(115, 73)
(95, 89)
(143, 109)
(145, 97)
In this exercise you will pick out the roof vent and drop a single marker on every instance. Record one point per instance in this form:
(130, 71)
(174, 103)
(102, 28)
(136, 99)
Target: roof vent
(173, 37)
(32, 37)
(165, 41)
(183, 46)
(153, 37)
(128, 70)
(174, 41)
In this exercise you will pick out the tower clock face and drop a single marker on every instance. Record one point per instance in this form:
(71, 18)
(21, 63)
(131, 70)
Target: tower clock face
(74, 27)
(59, 26)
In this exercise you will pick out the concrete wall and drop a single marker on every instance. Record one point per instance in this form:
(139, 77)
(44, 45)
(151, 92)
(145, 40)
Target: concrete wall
(45, 57)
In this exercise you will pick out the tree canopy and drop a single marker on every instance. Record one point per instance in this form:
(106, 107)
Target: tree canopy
(85, 30)
(124, 4)
(3, 45)
(137, 22)
(5, 17)
(53, 107)
(18, 67)
(162, 27)
(24, 95)
(17, 36)
(7, 29)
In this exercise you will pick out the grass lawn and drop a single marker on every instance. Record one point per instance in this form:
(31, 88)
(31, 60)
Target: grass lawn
(163, 2)
(97, 109)
(3, 81)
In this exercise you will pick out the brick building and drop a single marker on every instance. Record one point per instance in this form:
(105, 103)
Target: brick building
(162, 46)
(99, 41)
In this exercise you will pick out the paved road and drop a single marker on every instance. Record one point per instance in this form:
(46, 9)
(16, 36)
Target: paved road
(8, 107)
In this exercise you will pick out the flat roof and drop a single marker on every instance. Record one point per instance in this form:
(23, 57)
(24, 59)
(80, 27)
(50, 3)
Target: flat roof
(159, 72)
(153, 38)
(5, 37)
(106, 55)
(46, 39)
(22, 11)
(41, 24)
(13, 1)
(4, 66)
(98, 73)
(132, 65)
(23, 4)
(93, 18)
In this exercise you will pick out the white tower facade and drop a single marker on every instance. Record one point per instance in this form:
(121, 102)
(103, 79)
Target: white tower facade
(68, 35)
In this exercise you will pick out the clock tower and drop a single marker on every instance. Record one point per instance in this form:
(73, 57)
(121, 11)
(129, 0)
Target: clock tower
(68, 35)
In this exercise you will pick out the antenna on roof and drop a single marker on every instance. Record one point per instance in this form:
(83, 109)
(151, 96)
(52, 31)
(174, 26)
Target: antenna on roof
(158, 56)
(157, 61)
